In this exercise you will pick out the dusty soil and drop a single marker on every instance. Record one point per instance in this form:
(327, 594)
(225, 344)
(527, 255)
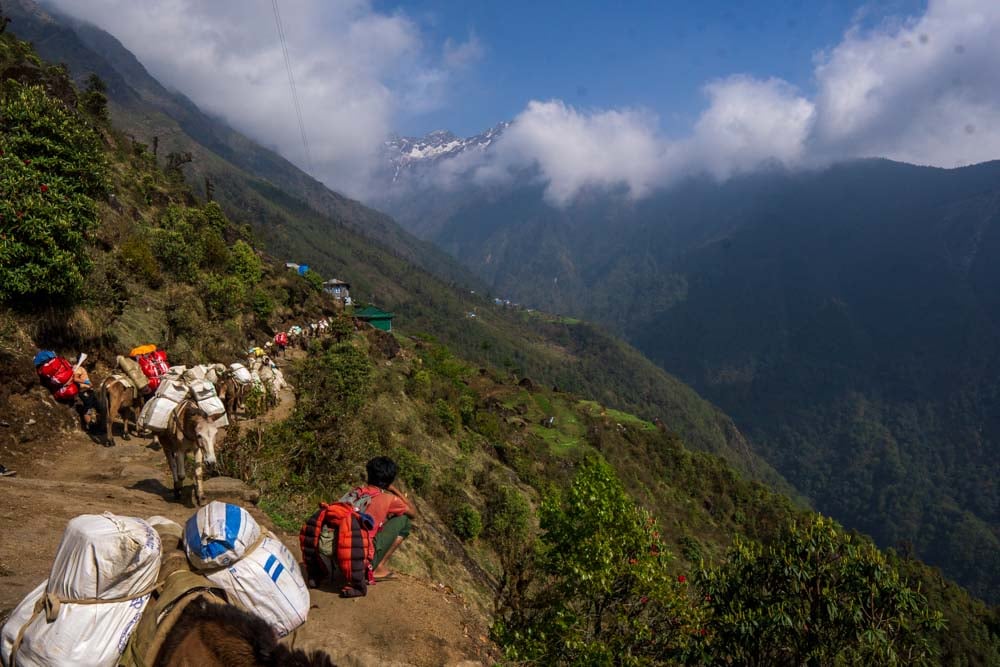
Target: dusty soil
(63, 473)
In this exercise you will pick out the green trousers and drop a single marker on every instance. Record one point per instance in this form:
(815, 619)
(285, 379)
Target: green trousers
(397, 526)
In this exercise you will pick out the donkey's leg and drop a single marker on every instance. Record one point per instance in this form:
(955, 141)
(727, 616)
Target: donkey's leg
(199, 495)
(125, 415)
(109, 425)
(172, 464)
(179, 476)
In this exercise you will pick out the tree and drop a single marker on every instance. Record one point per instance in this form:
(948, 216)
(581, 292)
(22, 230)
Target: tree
(94, 99)
(604, 595)
(816, 596)
(51, 168)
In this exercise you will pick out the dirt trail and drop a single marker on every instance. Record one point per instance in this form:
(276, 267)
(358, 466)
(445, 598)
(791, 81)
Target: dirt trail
(404, 622)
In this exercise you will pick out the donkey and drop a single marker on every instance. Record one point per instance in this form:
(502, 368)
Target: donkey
(232, 394)
(189, 430)
(219, 635)
(119, 398)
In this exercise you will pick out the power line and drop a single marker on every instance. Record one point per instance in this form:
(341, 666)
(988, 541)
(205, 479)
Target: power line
(291, 82)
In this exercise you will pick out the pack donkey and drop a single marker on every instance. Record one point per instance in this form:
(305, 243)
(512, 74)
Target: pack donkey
(120, 399)
(216, 635)
(189, 430)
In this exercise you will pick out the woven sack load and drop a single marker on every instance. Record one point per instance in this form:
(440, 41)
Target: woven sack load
(131, 368)
(155, 415)
(257, 571)
(175, 390)
(194, 373)
(202, 389)
(240, 373)
(103, 572)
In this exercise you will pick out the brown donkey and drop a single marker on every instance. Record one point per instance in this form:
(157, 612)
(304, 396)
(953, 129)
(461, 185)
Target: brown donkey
(189, 430)
(120, 400)
(218, 635)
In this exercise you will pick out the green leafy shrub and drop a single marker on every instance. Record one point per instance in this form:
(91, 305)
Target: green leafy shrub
(246, 264)
(467, 409)
(418, 384)
(414, 472)
(52, 167)
(446, 416)
(466, 522)
(262, 304)
(94, 99)
(314, 280)
(604, 594)
(816, 596)
(137, 257)
(508, 519)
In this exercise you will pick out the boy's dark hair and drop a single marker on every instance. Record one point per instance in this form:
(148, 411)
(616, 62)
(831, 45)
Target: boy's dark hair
(382, 471)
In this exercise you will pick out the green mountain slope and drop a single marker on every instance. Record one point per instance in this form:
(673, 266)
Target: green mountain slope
(846, 318)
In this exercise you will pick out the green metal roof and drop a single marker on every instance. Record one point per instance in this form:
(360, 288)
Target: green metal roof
(373, 313)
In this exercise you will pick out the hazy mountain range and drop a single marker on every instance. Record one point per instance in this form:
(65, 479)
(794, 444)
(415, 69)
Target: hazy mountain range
(846, 317)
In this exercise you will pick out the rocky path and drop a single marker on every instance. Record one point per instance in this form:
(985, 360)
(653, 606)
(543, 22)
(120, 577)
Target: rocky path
(408, 621)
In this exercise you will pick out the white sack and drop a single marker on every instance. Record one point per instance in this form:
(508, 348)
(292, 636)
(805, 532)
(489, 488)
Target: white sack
(104, 557)
(212, 406)
(202, 389)
(218, 535)
(174, 390)
(240, 373)
(194, 373)
(268, 581)
(155, 415)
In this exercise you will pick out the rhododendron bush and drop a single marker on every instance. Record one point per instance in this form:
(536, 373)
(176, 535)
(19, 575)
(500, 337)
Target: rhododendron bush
(52, 168)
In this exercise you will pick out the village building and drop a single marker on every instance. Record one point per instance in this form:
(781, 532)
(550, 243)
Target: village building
(339, 290)
(376, 317)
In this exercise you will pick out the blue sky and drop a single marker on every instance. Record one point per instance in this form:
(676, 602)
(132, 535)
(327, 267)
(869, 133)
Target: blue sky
(655, 55)
(631, 93)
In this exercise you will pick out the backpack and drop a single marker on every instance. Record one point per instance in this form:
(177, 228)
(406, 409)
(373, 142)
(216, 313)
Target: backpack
(57, 375)
(281, 338)
(154, 366)
(360, 499)
(354, 547)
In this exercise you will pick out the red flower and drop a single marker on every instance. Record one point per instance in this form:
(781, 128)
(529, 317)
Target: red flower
(682, 578)
(708, 598)
(27, 162)
(632, 561)
(644, 599)
(20, 214)
(703, 632)
(45, 188)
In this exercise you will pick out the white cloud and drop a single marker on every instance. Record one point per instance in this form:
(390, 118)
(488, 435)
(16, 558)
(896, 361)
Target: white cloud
(748, 121)
(356, 69)
(574, 150)
(921, 90)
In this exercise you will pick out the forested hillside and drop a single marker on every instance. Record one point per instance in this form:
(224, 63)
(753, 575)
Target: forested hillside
(279, 205)
(526, 492)
(846, 318)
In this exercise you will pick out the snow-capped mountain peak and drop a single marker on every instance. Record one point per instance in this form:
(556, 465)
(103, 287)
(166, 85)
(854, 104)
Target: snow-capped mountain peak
(405, 153)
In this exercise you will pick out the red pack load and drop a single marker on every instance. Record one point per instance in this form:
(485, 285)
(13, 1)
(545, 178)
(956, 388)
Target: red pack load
(152, 363)
(281, 338)
(56, 373)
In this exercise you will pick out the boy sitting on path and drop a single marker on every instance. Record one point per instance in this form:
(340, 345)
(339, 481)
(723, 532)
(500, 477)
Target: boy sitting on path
(385, 511)
(389, 509)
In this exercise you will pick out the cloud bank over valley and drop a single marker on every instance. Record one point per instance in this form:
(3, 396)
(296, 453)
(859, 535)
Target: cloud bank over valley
(919, 89)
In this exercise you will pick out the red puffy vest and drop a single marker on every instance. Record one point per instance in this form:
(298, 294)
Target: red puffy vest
(57, 375)
(154, 366)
